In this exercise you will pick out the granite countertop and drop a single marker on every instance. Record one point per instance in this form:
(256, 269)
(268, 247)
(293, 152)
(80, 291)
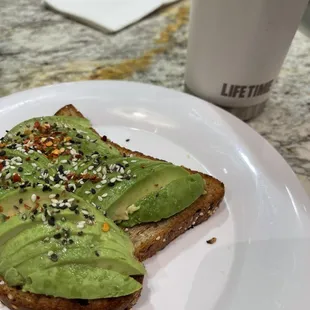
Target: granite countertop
(40, 47)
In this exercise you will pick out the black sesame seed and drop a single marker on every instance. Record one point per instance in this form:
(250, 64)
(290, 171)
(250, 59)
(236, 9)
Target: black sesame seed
(157, 195)
(20, 200)
(111, 184)
(57, 196)
(105, 157)
(77, 212)
(46, 188)
(24, 217)
(44, 205)
(54, 257)
(32, 217)
(57, 236)
(15, 207)
(20, 169)
(51, 221)
(97, 253)
(73, 208)
(35, 211)
(93, 191)
(127, 140)
(81, 152)
(98, 207)
(80, 233)
(2, 153)
(78, 135)
(71, 241)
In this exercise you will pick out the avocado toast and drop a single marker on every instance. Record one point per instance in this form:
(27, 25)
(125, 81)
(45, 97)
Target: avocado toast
(106, 182)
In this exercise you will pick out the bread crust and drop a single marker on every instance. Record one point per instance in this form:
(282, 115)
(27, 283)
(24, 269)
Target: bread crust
(148, 239)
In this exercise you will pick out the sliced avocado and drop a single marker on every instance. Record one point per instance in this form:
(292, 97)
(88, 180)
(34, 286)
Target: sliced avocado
(116, 182)
(17, 167)
(61, 121)
(170, 200)
(43, 247)
(98, 256)
(161, 175)
(80, 281)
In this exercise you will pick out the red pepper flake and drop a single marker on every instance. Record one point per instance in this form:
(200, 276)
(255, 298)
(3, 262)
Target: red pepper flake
(27, 159)
(36, 125)
(104, 138)
(38, 197)
(16, 178)
(27, 207)
(1, 166)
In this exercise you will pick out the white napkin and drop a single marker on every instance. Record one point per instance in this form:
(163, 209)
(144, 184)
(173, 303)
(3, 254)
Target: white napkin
(106, 15)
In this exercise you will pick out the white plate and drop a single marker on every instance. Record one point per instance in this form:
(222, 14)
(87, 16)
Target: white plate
(261, 259)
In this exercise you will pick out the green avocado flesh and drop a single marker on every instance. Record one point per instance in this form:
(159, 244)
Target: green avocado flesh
(65, 193)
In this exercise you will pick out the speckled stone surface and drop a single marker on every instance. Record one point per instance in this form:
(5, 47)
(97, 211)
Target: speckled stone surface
(39, 47)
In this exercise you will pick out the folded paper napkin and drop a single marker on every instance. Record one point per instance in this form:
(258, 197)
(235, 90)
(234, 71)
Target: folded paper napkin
(106, 15)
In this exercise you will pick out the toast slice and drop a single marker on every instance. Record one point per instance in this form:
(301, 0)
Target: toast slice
(148, 239)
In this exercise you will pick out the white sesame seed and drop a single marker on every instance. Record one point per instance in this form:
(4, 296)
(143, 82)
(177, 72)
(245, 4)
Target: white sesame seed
(70, 199)
(52, 196)
(93, 204)
(51, 178)
(64, 250)
(33, 164)
(12, 167)
(164, 240)
(122, 171)
(1, 282)
(104, 195)
(50, 253)
(81, 224)
(85, 212)
(31, 151)
(103, 181)
(100, 198)
(98, 186)
(63, 161)
(57, 185)
(133, 161)
(39, 151)
(125, 162)
(10, 296)
(87, 192)
(54, 201)
(8, 176)
(128, 172)
(43, 218)
(62, 204)
(99, 169)
(33, 197)
(158, 238)
(126, 229)
(113, 180)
